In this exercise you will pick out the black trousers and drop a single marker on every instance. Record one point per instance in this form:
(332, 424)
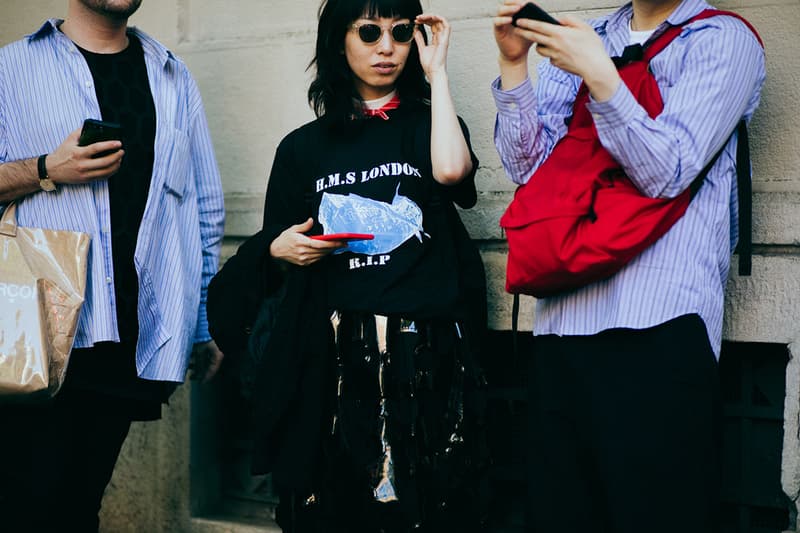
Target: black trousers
(56, 460)
(625, 431)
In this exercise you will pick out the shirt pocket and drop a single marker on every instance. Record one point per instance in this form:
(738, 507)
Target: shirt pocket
(178, 164)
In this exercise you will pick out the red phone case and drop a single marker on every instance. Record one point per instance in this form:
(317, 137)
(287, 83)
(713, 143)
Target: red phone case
(344, 237)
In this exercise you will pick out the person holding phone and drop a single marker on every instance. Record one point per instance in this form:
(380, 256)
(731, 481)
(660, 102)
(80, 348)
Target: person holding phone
(83, 148)
(625, 420)
(368, 407)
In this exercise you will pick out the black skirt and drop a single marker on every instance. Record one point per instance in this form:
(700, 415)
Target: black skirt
(405, 447)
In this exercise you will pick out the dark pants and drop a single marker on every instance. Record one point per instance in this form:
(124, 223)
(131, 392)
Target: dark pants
(56, 460)
(625, 432)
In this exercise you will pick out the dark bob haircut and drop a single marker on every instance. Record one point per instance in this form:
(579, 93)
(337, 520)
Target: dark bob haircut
(333, 92)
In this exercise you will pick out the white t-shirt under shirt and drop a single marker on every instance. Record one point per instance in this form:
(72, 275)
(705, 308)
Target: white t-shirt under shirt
(638, 37)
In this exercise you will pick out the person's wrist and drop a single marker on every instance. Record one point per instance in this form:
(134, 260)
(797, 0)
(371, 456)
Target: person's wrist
(53, 170)
(438, 75)
(513, 62)
(45, 181)
(603, 85)
(512, 73)
(48, 161)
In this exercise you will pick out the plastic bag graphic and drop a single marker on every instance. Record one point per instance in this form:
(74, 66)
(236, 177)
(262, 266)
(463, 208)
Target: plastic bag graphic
(392, 224)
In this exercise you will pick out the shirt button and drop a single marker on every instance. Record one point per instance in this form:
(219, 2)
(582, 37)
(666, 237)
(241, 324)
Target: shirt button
(88, 84)
(108, 280)
(512, 105)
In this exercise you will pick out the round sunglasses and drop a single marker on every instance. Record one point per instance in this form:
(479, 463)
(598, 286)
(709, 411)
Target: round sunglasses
(370, 33)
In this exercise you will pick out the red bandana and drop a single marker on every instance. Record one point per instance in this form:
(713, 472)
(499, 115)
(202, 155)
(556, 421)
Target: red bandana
(394, 103)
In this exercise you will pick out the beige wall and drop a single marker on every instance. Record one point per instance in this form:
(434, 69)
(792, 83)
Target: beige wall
(249, 58)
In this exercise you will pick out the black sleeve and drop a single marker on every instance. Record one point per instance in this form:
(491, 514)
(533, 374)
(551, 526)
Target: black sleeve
(236, 291)
(285, 204)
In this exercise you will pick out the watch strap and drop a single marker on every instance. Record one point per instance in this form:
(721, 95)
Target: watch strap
(45, 182)
(41, 164)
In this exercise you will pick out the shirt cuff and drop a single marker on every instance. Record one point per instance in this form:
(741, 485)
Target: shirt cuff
(511, 101)
(201, 334)
(616, 112)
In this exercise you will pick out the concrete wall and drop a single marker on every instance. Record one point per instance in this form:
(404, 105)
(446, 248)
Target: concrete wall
(249, 58)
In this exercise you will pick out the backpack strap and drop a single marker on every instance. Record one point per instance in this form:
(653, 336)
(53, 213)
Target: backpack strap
(745, 194)
(515, 326)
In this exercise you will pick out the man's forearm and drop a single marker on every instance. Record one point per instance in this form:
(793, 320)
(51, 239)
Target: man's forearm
(17, 179)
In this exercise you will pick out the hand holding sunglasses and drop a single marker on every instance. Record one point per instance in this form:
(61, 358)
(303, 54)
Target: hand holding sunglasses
(433, 55)
(371, 33)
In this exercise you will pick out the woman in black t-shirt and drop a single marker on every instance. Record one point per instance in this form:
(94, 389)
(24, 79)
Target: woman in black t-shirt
(369, 403)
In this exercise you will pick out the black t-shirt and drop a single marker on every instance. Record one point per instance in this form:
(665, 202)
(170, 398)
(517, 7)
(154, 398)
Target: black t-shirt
(378, 173)
(123, 93)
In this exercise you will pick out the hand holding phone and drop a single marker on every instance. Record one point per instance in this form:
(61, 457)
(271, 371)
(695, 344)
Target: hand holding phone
(533, 12)
(96, 131)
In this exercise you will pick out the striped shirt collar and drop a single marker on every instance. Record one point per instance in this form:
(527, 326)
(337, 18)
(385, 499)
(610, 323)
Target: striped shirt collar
(151, 46)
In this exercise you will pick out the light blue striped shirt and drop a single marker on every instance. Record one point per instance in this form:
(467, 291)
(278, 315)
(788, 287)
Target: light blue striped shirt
(709, 77)
(46, 91)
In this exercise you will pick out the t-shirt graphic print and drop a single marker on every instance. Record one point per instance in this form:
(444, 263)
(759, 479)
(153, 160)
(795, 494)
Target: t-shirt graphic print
(391, 224)
(376, 178)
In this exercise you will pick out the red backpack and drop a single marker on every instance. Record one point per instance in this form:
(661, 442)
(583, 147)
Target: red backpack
(568, 229)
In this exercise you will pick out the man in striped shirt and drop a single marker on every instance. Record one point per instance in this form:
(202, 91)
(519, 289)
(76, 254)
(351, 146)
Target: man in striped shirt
(625, 418)
(153, 207)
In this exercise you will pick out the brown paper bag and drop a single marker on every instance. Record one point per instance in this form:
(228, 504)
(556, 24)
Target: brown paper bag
(42, 284)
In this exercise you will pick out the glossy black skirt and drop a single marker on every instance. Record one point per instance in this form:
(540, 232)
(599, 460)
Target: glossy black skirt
(406, 448)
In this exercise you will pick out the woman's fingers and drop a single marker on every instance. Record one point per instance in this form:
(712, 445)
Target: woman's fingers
(438, 25)
(419, 40)
(323, 246)
(303, 226)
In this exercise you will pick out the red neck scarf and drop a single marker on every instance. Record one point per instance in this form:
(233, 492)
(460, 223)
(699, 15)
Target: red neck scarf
(394, 103)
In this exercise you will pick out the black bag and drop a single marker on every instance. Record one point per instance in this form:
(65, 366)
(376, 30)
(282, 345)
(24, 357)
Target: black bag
(249, 361)
(243, 302)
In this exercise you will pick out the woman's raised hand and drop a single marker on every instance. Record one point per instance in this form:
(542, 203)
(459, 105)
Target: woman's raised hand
(433, 56)
(294, 247)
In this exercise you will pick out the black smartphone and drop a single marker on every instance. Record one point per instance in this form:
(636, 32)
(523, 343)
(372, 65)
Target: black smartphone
(533, 12)
(97, 130)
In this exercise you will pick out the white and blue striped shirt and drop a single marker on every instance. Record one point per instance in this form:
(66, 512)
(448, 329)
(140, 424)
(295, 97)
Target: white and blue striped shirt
(46, 91)
(710, 77)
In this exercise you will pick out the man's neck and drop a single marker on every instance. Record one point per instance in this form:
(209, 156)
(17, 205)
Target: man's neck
(649, 14)
(93, 31)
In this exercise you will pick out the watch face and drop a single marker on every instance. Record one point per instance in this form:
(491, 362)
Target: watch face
(47, 185)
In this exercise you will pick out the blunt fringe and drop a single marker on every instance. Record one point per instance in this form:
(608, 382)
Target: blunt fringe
(332, 93)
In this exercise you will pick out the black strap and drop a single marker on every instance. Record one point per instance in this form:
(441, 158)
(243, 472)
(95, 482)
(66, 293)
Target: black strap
(515, 326)
(632, 52)
(745, 195)
(745, 186)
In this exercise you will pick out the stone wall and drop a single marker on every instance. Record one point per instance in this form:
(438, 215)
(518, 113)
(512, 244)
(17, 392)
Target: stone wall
(250, 57)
